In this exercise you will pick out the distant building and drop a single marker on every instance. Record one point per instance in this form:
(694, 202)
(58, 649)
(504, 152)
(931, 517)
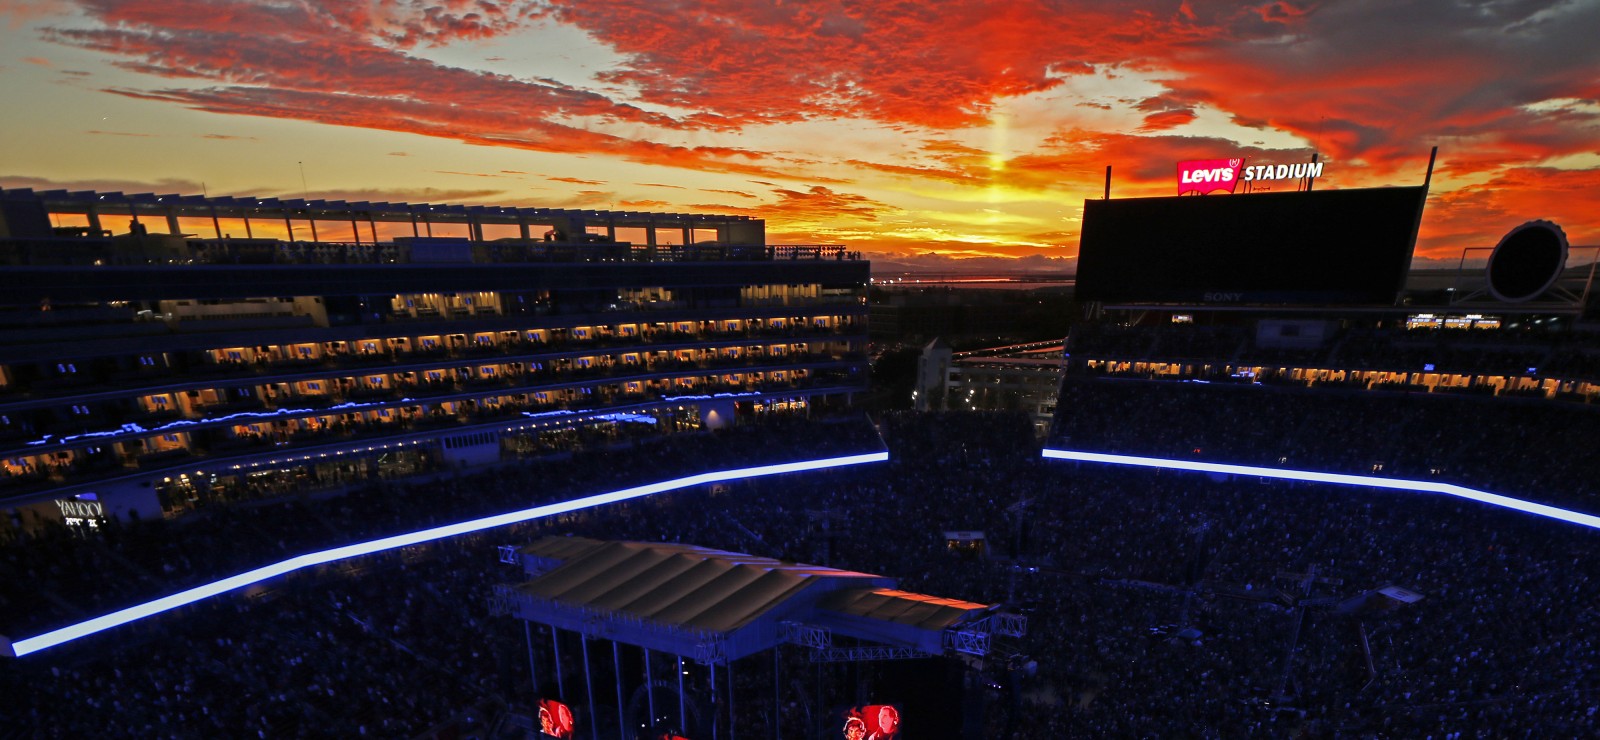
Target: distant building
(933, 368)
(917, 314)
(1024, 377)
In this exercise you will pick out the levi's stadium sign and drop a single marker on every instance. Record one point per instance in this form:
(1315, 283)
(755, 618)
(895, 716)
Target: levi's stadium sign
(1210, 175)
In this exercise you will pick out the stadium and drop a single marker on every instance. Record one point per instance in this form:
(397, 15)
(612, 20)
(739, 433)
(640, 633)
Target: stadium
(1289, 488)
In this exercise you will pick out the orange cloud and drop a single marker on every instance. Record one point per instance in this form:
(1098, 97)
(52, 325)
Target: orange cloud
(1506, 88)
(895, 61)
(1478, 215)
(1167, 120)
(180, 186)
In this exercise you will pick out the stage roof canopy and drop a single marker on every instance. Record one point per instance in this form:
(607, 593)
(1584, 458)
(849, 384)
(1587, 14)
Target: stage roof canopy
(715, 606)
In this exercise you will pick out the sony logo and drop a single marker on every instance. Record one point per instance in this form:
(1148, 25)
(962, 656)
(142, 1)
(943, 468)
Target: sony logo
(1217, 296)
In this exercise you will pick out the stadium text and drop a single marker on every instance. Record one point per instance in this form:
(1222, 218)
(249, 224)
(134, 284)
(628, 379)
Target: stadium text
(1283, 171)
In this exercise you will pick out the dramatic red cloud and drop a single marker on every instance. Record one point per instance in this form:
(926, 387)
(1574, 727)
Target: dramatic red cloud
(739, 193)
(1167, 119)
(178, 186)
(1506, 89)
(336, 67)
(433, 117)
(895, 60)
(1477, 216)
(1380, 84)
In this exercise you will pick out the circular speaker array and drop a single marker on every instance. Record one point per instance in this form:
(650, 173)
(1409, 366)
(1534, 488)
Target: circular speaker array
(1527, 261)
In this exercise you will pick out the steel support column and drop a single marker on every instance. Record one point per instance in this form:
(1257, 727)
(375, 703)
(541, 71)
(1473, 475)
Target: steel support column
(533, 669)
(616, 665)
(650, 688)
(777, 692)
(588, 686)
(555, 642)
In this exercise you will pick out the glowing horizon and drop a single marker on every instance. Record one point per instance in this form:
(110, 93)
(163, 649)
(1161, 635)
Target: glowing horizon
(921, 137)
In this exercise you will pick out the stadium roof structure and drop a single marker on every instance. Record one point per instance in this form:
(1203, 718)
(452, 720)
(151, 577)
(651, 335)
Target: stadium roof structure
(81, 201)
(716, 606)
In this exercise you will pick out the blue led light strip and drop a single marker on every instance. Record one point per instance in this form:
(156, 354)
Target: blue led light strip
(1401, 484)
(183, 598)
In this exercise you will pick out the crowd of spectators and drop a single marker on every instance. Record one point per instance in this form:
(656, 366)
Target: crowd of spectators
(1521, 351)
(58, 576)
(1160, 604)
(1517, 447)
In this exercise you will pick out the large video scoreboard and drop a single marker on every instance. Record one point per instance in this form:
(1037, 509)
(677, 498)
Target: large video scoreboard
(1332, 246)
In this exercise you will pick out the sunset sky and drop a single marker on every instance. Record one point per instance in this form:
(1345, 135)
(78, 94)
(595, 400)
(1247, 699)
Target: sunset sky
(957, 129)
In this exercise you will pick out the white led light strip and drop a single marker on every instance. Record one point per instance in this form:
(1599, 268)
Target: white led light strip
(1402, 484)
(183, 598)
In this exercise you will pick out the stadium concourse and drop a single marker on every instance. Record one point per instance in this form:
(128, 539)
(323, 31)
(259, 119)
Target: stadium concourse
(1160, 603)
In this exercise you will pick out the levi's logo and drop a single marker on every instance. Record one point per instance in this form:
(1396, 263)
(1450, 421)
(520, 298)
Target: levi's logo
(1208, 175)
